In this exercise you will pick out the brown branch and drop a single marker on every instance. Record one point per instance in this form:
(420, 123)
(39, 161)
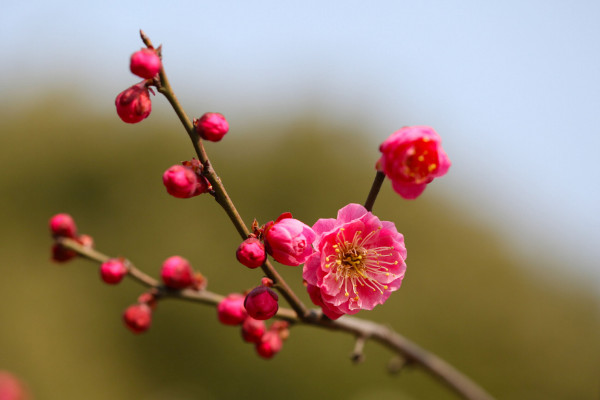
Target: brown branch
(377, 182)
(362, 329)
(221, 196)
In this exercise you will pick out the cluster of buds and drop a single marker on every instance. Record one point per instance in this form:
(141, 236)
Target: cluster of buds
(176, 274)
(63, 226)
(250, 312)
(287, 240)
(138, 317)
(186, 180)
(134, 104)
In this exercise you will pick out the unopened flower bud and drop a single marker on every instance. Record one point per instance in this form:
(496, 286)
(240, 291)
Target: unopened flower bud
(11, 388)
(282, 328)
(231, 310)
(289, 241)
(252, 330)
(180, 181)
(86, 240)
(145, 63)
(138, 318)
(268, 282)
(113, 271)
(251, 253)
(148, 298)
(261, 303)
(133, 104)
(269, 345)
(62, 254)
(63, 225)
(200, 281)
(177, 273)
(212, 126)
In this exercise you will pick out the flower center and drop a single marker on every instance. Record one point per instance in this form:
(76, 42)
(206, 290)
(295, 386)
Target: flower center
(421, 160)
(356, 263)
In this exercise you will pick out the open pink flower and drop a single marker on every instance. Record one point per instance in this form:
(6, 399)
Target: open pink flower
(358, 262)
(412, 157)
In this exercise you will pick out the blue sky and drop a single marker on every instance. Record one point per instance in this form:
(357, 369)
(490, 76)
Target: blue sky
(512, 87)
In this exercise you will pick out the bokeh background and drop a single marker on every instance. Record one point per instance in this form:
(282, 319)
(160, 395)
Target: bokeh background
(502, 281)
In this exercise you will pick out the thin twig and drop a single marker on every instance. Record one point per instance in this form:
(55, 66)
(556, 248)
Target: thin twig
(377, 182)
(221, 196)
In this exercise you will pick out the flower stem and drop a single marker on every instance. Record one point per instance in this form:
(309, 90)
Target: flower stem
(377, 182)
(221, 196)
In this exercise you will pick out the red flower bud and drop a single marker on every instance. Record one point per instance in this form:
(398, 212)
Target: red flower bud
(177, 273)
(62, 254)
(212, 126)
(133, 104)
(145, 63)
(251, 253)
(138, 318)
(63, 225)
(231, 310)
(269, 345)
(113, 271)
(261, 303)
(253, 330)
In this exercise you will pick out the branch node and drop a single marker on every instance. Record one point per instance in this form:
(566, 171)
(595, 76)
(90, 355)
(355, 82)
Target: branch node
(357, 355)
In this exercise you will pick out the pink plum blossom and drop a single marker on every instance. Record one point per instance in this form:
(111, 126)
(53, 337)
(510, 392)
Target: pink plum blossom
(412, 157)
(358, 262)
(289, 240)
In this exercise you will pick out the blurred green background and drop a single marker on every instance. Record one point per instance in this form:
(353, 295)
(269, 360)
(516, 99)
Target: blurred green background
(494, 314)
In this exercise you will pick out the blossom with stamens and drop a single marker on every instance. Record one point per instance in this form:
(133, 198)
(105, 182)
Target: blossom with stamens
(412, 157)
(358, 262)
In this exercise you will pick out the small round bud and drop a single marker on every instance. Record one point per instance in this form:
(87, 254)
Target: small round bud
(251, 253)
(11, 388)
(231, 310)
(138, 318)
(200, 281)
(261, 303)
(269, 345)
(212, 126)
(63, 225)
(268, 282)
(177, 273)
(180, 181)
(62, 254)
(253, 330)
(148, 298)
(113, 271)
(282, 328)
(145, 63)
(86, 240)
(133, 104)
